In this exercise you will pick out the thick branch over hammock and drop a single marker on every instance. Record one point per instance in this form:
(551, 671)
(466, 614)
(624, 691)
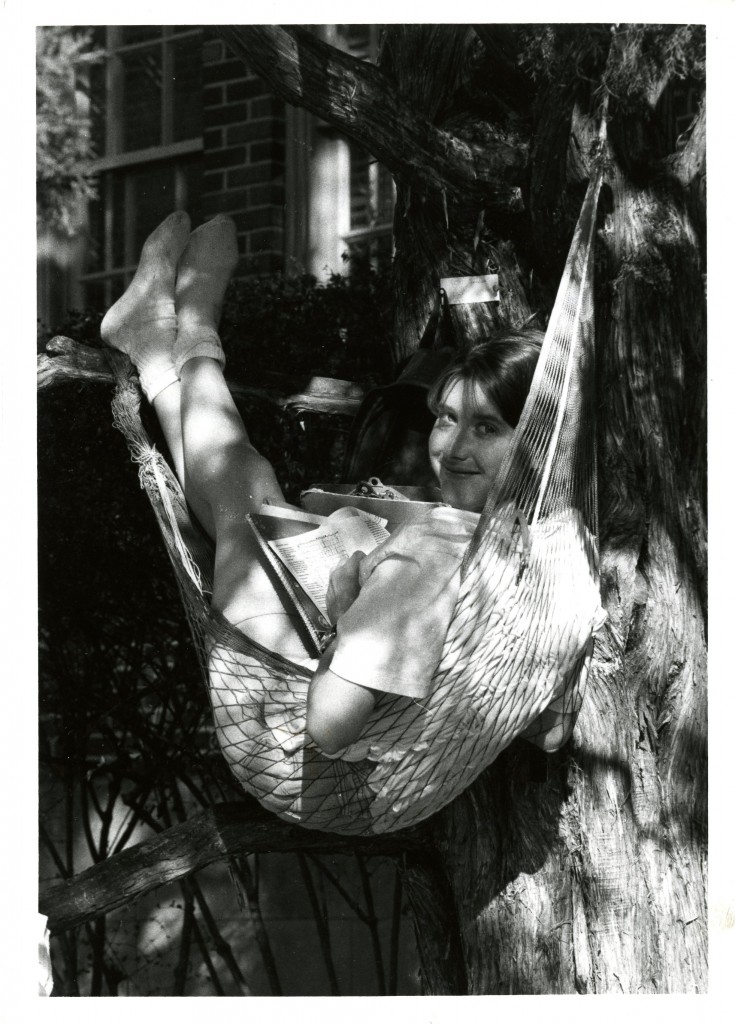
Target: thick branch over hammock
(361, 101)
(223, 831)
(67, 361)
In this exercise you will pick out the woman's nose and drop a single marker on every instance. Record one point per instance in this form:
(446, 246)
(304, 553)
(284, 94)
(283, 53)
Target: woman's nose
(459, 445)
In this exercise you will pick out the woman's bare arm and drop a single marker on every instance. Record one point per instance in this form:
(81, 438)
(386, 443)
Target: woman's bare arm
(337, 710)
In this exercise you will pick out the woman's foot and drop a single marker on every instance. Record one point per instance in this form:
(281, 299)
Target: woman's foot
(142, 323)
(204, 273)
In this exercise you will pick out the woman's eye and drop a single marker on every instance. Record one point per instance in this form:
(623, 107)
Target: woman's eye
(445, 418)
(485, 429)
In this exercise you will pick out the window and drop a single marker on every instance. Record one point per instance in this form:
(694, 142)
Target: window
(372, 197)
(371, 187)
(340, 199)
(146, 109)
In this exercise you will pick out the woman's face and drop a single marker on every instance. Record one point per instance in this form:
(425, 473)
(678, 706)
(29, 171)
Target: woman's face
(467, 445)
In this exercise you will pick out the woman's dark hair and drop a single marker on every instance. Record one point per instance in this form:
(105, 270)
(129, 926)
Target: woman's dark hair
(503, 369)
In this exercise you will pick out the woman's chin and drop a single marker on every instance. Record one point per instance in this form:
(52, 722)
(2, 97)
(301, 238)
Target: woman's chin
(463, 497)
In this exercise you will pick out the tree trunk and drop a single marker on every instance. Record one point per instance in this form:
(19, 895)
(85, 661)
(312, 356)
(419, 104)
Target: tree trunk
(581, 871)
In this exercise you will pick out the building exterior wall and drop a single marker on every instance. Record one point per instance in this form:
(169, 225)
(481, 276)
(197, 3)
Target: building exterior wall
(244, 157)
(179, 123)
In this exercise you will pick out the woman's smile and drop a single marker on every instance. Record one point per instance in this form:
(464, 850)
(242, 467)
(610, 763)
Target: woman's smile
(446, 472)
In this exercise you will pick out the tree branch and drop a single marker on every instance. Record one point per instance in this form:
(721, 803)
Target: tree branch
(501, 46)
(359, 100)
(222, 831)
(66, 360)
(690, 162)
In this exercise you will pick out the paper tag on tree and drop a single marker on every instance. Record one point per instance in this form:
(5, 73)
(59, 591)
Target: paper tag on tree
(467, 290)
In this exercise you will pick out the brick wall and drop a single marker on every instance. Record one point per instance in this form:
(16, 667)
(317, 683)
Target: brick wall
(244, 157)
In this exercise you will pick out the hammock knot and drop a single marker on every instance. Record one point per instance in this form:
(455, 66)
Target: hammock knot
(520, 518)
(149, 460)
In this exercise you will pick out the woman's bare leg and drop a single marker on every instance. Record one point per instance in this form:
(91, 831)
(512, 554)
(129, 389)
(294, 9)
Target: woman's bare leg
(142, 323)
(233, 479)
(222, 470)
(222, 475)
(167, 405)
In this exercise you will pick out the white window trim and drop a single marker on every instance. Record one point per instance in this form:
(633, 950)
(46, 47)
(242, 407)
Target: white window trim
(117, 159)
(318, 232)
(142, 156)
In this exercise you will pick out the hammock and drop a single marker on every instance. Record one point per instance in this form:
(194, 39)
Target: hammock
(519, 643)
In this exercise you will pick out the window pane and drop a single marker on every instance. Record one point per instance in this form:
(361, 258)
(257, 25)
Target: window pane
(371, 190)
(99, 36)
(358, 40)
(153, 197)
(191, 172)
(386, 198)
(376, 252)
(96, 249)
(142, 99)
(95, 296)
(187, 88)
(117, 225)
(114, 287)
(137, 199)
(98, 108)
(139, 33)
(361, 212)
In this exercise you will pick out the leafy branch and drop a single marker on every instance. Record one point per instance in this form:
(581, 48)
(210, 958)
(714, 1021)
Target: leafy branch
(64, 147)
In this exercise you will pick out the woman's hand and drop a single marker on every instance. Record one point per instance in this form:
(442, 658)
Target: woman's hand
(344, 586)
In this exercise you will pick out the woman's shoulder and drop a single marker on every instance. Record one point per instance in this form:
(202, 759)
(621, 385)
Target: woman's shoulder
(445, 521)
(438, 521)
(435, 535)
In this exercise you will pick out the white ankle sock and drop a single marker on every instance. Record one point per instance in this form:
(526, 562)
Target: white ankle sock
(143, 322)
(149, 345)
(193, 341)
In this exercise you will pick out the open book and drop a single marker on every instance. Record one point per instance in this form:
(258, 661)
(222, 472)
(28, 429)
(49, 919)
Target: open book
(310, 546)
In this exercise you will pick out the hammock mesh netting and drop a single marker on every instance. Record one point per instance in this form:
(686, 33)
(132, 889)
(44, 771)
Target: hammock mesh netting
(519, 643)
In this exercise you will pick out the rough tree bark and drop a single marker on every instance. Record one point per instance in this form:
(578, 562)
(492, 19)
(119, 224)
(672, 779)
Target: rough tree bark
(583, 871)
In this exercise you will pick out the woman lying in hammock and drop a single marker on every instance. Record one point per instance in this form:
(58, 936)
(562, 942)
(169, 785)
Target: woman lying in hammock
(392, 607)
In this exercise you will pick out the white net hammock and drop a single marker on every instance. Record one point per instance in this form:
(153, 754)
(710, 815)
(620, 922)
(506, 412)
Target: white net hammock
(519, 643)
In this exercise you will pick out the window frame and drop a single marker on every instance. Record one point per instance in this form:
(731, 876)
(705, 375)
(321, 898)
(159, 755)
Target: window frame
(117, 159)
(379, 229)
(318, 188)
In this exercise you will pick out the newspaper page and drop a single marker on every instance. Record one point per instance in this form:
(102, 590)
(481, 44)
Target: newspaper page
(312, 556)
